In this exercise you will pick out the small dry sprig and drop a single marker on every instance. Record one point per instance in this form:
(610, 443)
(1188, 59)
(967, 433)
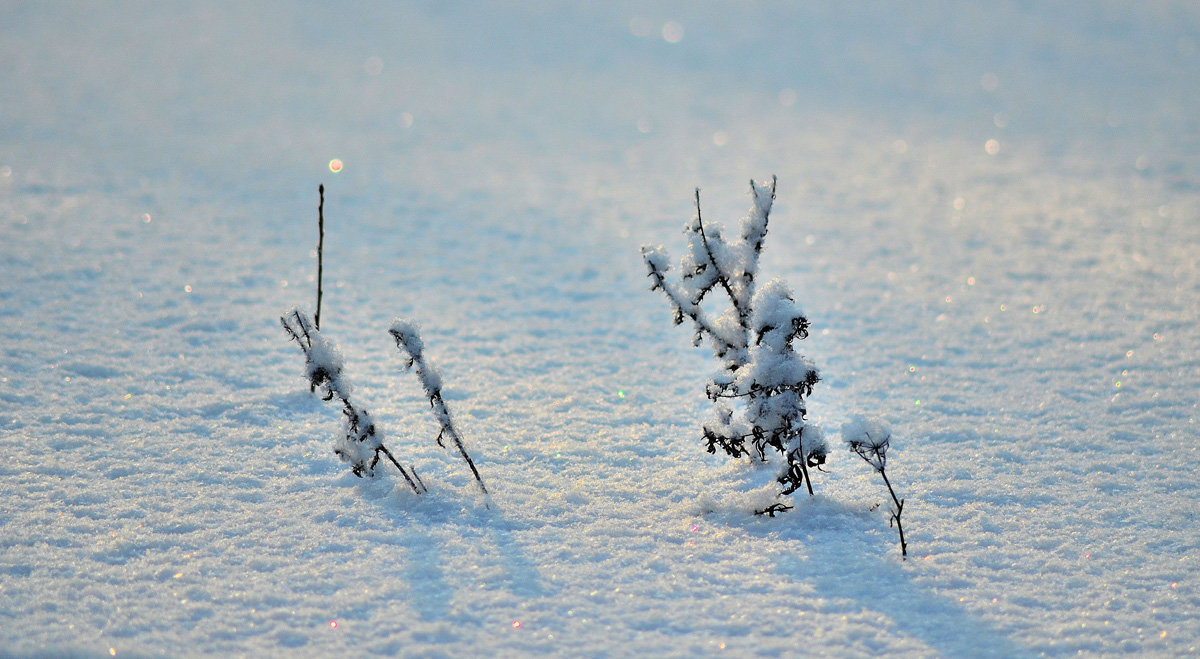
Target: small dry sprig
(871, 443)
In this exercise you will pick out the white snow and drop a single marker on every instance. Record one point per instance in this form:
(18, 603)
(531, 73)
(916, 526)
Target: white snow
(990, 213)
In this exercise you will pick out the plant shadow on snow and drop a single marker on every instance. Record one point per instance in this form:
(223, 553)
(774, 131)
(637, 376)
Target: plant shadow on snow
(434, 529)
(851, 571)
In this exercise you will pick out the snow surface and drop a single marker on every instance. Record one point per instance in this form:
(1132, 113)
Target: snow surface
(989, 211)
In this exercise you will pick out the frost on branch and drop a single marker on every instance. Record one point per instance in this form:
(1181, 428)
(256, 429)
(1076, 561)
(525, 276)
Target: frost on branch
(870, 439)
(361, 443)
(760, 387)
(408, 341)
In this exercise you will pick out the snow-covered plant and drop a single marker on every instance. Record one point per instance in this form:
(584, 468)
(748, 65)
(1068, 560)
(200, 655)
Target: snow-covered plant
(361, 443)
(408, 340)
(760, 388)
(870, 440)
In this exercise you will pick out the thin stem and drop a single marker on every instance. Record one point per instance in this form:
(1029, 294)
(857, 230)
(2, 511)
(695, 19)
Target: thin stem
(320, 250)
(804, 462)
(416, 359)
(383, 449)
(320, 260)
(896, 513)
(770, 510)
(439, 406)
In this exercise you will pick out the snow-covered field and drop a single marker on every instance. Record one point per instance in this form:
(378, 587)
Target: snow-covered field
(990, 213)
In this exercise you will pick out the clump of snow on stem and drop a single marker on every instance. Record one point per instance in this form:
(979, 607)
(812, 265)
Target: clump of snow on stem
(323, 362)
(870, 438)
(773, 363)
(361, 442)
(358, 446)
(408, 339)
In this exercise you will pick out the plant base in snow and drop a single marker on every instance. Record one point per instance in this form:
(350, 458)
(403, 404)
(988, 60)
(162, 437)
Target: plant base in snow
(760, 389)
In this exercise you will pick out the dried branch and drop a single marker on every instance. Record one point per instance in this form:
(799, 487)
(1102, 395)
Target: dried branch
(874, 450)
(320, 250)
(770, 510)
(323, 368)
(419, 486)
(320, 258)
(408, 341)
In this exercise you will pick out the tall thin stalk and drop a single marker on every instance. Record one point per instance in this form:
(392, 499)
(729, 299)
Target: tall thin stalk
(320, 261)
(320, 251)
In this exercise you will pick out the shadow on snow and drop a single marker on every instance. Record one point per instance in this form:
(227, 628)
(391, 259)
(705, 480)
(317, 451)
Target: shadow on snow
(852, 573)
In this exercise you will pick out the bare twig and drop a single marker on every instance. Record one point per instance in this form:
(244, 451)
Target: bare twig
(443, 414)
(320, 260)
(418, 486)
(874, 452)
(320, 250)
(896, 511)
(770, 510)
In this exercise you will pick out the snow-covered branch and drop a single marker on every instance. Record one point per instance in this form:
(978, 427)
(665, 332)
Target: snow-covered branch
(658, 263)
(361, 443)
(408, 340)
(718, 274)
